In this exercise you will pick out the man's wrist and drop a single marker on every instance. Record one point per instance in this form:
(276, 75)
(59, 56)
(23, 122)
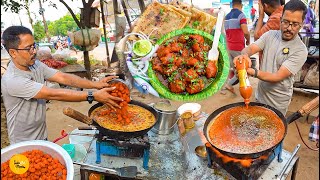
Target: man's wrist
(90, 97)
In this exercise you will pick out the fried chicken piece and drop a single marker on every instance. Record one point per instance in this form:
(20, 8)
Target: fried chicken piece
(205, 47)
(199, 56)
(163, 51)
(191, 61)
(175, 47)
(190, 74)
(178, 61)
(196, 47)
(177, 86)
(182, 39)
(167, 59)
(157, 65)
(195, 86)
(198, 38)
(169, 70)
(184, 53)
(200, 68)
(211, 69)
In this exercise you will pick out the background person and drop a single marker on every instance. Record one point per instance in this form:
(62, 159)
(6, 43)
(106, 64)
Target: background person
(273, 9)
(24, 92)
(238, 36)
(253, 13)
(310, 20)
(283, 56)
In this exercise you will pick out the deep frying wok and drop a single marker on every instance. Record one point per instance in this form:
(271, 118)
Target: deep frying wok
(306, 109)
(108, 132)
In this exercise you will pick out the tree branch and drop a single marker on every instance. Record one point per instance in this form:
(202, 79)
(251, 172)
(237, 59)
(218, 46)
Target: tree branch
(72, 14)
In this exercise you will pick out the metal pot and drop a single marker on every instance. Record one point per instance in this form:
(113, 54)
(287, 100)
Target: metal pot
(167, 117)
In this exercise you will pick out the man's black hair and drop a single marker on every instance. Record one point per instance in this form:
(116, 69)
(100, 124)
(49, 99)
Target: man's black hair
(10, 36)
(296, 5)
(236, 2)
(272, 3)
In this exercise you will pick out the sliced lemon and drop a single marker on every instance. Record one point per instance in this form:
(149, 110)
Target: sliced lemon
(19, 164)
(142, 47)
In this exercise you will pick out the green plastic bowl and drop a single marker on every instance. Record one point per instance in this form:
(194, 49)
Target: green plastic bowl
(213, 87)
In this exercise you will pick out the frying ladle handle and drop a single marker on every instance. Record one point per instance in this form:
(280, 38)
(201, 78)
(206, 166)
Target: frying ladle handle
(77, 115)
(309, 107)
(306, 109)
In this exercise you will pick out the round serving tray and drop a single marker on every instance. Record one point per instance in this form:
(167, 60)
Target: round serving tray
(212, 88)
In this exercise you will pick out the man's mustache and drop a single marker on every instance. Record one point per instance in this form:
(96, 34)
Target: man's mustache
(288, 32)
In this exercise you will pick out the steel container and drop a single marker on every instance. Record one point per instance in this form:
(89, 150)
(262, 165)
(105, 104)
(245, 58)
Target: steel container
(166, 119)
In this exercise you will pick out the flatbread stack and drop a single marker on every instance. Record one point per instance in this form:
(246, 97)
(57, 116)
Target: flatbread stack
(199, 19)
(159, 19)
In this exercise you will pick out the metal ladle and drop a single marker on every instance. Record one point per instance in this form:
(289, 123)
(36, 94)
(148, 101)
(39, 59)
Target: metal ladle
(201, 151)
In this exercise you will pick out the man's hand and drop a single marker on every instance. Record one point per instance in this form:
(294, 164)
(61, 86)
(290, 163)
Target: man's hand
(104, 97)
(241, 59)
(103, 83)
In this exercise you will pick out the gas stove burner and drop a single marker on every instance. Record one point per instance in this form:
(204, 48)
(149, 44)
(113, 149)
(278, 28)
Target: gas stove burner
(138, 147)
(245, 169)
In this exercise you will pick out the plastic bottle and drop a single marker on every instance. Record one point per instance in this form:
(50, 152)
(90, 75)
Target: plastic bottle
(244, 84)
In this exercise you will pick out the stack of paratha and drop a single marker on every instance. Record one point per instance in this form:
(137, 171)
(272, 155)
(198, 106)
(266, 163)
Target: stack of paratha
(159, 19)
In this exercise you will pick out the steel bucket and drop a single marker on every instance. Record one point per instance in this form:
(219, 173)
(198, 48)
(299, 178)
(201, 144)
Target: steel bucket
(166, 118)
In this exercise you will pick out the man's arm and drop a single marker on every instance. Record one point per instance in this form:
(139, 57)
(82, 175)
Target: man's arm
(246, 32)
(101, 95)
(76, 81)
(251, 50)
(257, 31)
(278, 76)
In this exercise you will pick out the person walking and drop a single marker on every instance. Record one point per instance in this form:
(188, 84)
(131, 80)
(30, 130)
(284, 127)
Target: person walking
(238, 36)
(253, 13)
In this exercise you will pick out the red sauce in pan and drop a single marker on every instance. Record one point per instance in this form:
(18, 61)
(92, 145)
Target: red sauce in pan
(246, 130)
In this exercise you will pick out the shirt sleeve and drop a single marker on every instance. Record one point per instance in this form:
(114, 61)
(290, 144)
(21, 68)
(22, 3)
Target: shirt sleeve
(295, 61)
(47, 71)
(243, 19)
(261, 42)
(272, 24)
(23, 87)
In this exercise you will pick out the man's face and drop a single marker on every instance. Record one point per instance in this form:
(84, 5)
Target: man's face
(291, 23)
(24, 55)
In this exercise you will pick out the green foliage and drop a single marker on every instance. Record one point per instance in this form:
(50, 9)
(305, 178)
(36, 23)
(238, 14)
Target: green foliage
(93, 61)
(63, 25)
(70, 60)
(11, 5)
(39, 33)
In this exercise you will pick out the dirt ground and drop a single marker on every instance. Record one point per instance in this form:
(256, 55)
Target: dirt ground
(309, 160)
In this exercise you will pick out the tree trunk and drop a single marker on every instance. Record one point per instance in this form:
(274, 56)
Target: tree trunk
(44, 22)
(87, 64)
(86, 23)
(29, 14)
